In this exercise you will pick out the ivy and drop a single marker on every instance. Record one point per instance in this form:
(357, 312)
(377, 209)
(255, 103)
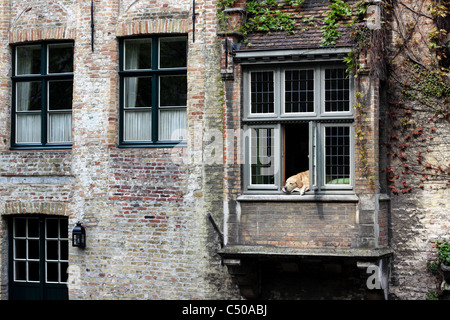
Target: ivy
(338, 10)
(266, 16)
(269, 15)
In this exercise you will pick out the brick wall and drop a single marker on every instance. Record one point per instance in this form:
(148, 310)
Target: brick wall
(307, 225)
(144, 209)
(420, 209)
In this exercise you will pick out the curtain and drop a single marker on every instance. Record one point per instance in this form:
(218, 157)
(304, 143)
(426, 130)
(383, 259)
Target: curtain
(172, 125)
(28, 126)
(60, 127)
(138, 126)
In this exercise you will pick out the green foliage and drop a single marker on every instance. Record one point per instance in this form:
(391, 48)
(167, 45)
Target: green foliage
(438, 9)
(433, 84)
(266, 16)
(433, 267)
(295, 3)
(338, 10)
(351, 62)
(444, 252)
(432, 295)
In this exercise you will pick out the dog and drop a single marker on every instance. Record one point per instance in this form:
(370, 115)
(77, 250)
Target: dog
(298, 182)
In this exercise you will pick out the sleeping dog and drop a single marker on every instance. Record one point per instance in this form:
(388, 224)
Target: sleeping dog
(299, 182)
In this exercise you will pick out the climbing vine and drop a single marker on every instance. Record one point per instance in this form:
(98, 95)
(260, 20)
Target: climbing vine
(266, 16)
(338, 10)
(418, 97)
(269, 16)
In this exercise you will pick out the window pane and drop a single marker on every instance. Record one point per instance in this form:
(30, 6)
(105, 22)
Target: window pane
(20, 270)
(64, 247)
(138, 92)
(52, 250)
(28, 96)
(299, 91)
(262, 92)
(28, 60)
(33, 249)
(60, 94)
(337, 90)
(60, 58)
(52, 271)
(337, 153)
(20, 227)
(33, 271)
(20, 249)
(51, 229)
(63, 228)
(33, 227)
(173, 53)
(138, 126)
(138, 54)
(172, 125)
(28, 128)
(173, 91)
(60, 127)
(261, 157)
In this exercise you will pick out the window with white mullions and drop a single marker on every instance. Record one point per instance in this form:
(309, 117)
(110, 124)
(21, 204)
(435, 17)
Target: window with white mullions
(262, 166)
(337, 91)
(262, 92)
(27, 244)
(56, 250)
(308, 108)
(299, 91)
(26, 248)
(337, 155)
(39, 257)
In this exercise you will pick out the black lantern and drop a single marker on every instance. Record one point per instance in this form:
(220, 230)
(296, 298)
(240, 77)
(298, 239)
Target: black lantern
(78, 236)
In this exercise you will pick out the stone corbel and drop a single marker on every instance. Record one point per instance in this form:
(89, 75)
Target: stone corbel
(373, 15)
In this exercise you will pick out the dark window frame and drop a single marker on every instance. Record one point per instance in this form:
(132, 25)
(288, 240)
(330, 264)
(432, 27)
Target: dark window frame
(155, 73)
(44, 78)
(47, 283)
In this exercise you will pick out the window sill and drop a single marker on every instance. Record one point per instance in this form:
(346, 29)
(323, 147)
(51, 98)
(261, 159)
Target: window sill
(299, 198)
(39, 148)
(152, 145)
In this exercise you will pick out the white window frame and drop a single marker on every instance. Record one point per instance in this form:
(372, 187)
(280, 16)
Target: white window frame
(318, 121)
(277, 159)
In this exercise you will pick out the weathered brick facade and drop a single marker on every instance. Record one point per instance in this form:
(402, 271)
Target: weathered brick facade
(146, 210)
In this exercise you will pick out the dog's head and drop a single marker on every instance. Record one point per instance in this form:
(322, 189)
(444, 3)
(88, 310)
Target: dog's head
(292, 183)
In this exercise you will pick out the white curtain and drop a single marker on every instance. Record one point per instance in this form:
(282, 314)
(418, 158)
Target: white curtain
(60, 127)
(138, 126)
(172, 125)
(28, 126)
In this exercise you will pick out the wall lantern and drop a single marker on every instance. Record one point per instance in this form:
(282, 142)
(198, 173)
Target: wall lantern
(78, 236)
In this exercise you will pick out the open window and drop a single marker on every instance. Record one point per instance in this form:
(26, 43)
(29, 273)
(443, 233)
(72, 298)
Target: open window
(297, 120)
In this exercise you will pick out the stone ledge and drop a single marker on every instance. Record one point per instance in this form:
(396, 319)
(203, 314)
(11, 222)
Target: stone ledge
(37, 180)
(299, 198)
(249, 251)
